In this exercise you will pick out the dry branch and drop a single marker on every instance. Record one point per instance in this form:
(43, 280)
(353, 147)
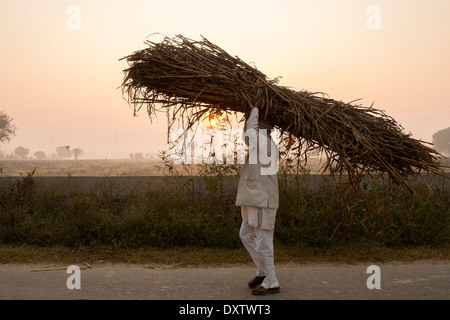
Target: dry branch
(190, 79)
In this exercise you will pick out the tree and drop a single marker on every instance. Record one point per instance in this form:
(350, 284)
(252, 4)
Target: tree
(40, 155)
(77, 152)
(7, 128)
(21, 152)
(441, 140)
(63, 151)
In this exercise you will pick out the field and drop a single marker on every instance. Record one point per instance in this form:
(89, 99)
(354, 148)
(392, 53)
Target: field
(81, 167)
(97, 167)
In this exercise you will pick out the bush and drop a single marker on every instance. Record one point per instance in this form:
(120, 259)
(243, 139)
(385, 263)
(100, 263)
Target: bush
(159, 218)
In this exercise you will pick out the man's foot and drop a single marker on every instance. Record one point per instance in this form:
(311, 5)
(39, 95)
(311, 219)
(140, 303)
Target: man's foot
(256, 281)
(261, 291)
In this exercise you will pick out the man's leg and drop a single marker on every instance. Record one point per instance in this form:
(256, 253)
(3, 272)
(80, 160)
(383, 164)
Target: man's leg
(265, 252)
(248, 238)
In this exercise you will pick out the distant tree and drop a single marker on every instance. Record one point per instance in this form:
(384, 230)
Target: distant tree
(40, 155)
(7, 128)
(77, 152)
(441, 140)
(21, 152)
(138, 156)
(63, 151)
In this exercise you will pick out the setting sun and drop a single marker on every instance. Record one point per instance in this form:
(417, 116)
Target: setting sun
(212, 121)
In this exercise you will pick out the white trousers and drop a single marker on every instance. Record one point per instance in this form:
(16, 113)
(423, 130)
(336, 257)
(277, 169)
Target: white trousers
(259, 244)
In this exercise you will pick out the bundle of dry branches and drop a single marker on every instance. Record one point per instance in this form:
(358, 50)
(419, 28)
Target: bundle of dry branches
(192, 79)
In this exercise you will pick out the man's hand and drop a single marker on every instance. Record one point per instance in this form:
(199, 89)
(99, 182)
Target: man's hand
(258, 103)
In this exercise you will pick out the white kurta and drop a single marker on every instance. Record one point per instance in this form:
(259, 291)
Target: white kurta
(258, 183)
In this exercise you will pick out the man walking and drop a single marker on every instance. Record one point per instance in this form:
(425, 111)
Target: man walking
(257, 195)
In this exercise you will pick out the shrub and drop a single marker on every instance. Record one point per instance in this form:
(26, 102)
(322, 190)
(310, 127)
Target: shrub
(158, 218)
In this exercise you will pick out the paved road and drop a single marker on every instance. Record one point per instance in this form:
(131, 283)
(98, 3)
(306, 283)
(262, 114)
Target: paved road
(418, 280)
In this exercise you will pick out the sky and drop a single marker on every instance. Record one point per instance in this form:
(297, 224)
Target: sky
(60, 72)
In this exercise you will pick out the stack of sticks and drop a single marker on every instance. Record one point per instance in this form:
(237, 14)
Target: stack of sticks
(191, 80)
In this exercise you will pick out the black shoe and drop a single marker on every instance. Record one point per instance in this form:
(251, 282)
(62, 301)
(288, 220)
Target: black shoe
(261, 291)
(256, 281)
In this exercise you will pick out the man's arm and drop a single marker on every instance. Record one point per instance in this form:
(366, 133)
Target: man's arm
(252, 121)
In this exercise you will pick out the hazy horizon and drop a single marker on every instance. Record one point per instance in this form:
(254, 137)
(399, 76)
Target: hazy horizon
(61, 74)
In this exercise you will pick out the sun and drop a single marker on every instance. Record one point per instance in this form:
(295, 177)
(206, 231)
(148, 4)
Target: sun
(213, 121)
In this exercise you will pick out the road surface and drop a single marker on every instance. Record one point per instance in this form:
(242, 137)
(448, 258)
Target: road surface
(428, 280)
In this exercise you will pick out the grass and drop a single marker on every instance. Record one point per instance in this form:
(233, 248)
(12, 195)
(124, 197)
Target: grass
(213, 256)
(183, 225)
(81, 167)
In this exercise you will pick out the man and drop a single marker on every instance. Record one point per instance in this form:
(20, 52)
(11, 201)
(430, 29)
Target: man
(257, 195)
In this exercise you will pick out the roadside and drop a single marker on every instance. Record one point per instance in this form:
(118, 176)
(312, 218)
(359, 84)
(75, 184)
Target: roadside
(189, 255)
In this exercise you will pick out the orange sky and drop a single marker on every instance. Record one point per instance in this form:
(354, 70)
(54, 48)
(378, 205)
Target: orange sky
(61, 85)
